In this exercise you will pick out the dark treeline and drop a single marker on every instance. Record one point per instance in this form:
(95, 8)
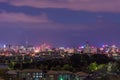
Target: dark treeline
(76, 62)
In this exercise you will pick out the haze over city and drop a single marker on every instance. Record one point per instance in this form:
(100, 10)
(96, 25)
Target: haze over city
(60, 22)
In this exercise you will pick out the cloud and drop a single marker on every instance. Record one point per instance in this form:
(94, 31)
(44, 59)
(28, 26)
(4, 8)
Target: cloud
(3, 0)
(23, 18)
(87, 5)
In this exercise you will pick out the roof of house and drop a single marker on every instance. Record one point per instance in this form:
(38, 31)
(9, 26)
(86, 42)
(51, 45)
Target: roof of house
(12, 72)
(81, 74)
(59, 72)
(30, 70)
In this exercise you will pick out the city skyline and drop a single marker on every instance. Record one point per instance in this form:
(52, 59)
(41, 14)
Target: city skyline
(60, 22)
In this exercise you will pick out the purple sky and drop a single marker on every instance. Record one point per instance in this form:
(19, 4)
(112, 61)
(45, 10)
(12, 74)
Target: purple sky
(60, 22)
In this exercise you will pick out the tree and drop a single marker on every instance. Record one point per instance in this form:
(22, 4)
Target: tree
(92, 67)
(67, 67)
(11, 65)
(95, 67)
(78, 60)
(100, 58)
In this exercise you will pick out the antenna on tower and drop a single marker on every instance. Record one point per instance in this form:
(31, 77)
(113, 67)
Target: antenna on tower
(26, 42)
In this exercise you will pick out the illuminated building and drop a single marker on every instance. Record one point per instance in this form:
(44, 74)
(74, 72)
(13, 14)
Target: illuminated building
(113, 49)
(87, 48)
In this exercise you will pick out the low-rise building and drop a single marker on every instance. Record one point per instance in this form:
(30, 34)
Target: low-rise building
(60, 75)
(81, 75)
(30, 74)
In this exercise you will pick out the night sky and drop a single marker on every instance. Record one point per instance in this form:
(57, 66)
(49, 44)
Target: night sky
(60, 22)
